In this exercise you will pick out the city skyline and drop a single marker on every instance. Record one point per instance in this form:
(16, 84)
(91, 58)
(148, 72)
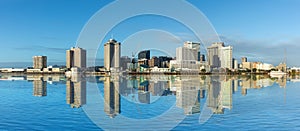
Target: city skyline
(261, 34)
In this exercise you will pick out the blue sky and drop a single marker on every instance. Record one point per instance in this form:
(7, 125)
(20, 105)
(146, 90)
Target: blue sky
(258, 29)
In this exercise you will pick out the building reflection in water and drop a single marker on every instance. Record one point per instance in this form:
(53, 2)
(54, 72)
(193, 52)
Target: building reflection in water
(112, 96)
(76, 91)
(39, 85)
(189, 90)
(188, 94)
(143, 91)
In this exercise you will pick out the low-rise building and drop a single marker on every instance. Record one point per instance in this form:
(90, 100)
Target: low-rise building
(156, 69)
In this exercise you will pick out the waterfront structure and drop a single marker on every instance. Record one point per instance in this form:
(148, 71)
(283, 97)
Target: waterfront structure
(186, 54)
(145, 54)
(112, 53)
(76, 57)
(220, 56)
(154, 61)
(187, 58)
(214, 54)
(282, 67)
(164, 61)
(12, 70)
(226, 57)
(193, 45)
(124, 60)
(39, 62)
(235, 64)
(265, 66)
(246, 65)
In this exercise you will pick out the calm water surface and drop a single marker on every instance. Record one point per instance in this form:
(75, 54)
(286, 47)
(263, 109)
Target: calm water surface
(149, 103)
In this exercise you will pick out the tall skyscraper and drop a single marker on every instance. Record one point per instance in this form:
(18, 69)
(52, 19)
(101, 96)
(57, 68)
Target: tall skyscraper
(76, 57)
(220, 56)
(112, 54)
(39, 62)
(186, 54)
(193, 45)
(214, 54)
(226, 57)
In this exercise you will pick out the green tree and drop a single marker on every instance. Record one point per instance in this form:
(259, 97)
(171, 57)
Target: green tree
(254, 70)
(203, 70)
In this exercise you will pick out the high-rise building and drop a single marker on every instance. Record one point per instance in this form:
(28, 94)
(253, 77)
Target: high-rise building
(235, 64)
(39, 62)
(186, 54)
(76, 57)
(220, 56)
(214, 54)
(145, 54)
(112, 54)
(226, 57)
(193, 45)
(185, 58)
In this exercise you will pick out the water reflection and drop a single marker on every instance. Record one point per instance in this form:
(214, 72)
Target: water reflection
(111, 96)
(76, 91)
(192, 93)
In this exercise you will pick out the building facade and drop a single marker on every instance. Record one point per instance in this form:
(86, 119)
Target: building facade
(226, 57)
(76, 57)
(145, 54)
(39, 62)
(214, 54)
(112, 54)
(220, 56)
(244, 59)
(193, 45)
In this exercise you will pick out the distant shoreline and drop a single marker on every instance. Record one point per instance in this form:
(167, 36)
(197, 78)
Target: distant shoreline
(132, 73)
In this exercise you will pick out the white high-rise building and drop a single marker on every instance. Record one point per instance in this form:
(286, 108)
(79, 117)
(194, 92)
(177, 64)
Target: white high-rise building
(193, 45)
(186, 54)
(226, 57)
(235, 64)
(112, 54)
